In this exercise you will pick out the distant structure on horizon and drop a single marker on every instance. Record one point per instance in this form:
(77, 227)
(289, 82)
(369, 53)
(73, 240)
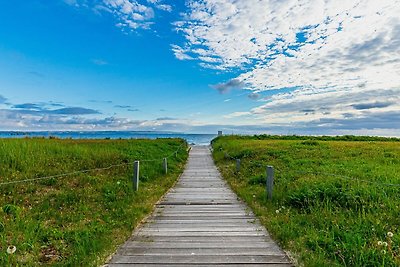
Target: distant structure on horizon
(219, 133)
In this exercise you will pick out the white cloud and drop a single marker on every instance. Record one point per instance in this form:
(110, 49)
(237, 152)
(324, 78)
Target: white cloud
(131, 14)
(71, 2)
(237, 114)
(180, 53)
(164, 7)
(334, 52)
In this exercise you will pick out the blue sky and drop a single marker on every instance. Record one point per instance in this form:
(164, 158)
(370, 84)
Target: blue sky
(199, 66)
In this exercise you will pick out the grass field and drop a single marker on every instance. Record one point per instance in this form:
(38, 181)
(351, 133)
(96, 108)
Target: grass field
(80, 219)
(321, 210)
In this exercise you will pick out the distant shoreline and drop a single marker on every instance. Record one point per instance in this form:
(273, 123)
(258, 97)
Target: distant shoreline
(191, 138)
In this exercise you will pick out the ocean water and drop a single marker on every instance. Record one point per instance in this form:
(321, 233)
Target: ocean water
(198, 139)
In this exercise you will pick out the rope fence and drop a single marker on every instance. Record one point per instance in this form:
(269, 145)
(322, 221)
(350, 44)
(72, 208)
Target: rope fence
(57, 176)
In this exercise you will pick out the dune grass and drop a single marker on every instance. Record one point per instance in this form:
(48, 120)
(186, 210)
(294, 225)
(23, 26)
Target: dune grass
(78, 220)
(318, 212)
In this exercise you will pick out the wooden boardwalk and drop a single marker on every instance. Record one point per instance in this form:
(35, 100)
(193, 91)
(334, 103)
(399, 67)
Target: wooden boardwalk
(200, 222)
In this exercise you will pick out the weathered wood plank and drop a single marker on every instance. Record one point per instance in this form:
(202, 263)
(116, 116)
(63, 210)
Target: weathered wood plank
(201, 239)
(201, 265)
(198, 259)
(227, 251)
(204, 233)
(201, 245)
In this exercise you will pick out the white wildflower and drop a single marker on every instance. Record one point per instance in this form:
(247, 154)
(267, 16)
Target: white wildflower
(385, 244)
(379, 243)
(277, 211)
(390, 234)
(11, 249)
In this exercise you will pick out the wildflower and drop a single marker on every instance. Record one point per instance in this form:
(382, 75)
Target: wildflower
(283, 207)
(383, 251)
(390, 234)
(118, 182)
(11, 249)
(379, 243)
(254, 195)
(277, 211)
(385, 244)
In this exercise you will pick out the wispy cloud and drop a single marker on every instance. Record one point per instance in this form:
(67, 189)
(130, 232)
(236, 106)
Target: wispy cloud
(372, 105)
(101, 101)
(166, 119)
(41, 108)
(180, 53)
(343, 59)
(30, 106)
(254, 96)
(74, 111)
(130, 14)
(99, 62)
(226, 87)
(127, 108)
(36, 74)
(50, 115)
(123, 106)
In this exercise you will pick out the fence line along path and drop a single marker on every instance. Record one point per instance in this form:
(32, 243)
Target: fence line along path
(200, 222)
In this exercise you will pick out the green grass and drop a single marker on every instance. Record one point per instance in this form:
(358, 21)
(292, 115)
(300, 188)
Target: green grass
(323, 219)
(78, 220)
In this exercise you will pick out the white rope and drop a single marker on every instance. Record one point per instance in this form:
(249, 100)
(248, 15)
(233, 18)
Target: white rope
(84, 171)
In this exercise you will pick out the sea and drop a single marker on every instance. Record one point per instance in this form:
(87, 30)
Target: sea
(196, 139)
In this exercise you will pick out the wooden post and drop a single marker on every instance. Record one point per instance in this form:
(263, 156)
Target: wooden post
(135, 179)
(165, 164)
(270, 181)
(237, 165)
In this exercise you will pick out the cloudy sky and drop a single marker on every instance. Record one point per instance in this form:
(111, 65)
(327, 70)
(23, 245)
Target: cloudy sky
(275, 66)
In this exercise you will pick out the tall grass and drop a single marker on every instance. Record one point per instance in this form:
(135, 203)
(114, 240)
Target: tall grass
(77, 220)
(332, 203)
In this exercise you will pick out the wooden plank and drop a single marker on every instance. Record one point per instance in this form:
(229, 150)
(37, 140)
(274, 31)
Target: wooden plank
(194, 234)
(201, 245)
(189, 228)
(202, 217)
(198, 259)
(201, 265)
(174, 224)
(202, 239)
(227, 251)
